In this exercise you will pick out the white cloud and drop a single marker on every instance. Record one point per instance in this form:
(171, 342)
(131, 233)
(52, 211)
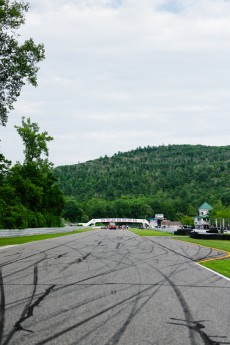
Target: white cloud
(122, 74)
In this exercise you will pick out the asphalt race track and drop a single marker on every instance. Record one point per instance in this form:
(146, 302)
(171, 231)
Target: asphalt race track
(110, 287)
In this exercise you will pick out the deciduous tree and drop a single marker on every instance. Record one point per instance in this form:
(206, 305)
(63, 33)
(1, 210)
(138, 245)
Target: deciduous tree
(35, 143)
(29, 195)
(18, 61)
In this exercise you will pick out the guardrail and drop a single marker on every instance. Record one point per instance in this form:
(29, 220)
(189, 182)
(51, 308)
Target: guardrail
(36, 231)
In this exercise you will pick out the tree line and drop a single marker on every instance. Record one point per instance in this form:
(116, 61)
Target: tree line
(174, 180)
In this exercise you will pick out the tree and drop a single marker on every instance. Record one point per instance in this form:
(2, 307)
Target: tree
(29, 195)
(18, 62)
(225, 198)
(35, 143)
(187, 220)
(220, 211)
(4, 167)
(72, 210)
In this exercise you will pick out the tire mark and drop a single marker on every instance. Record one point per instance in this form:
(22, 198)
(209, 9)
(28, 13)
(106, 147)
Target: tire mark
(189, 286)
(169, 249)
(185, 256)
(14, 329)
(185, 250)
(100, 274)
(47, 250)
(91, 300)
(212, 253)
(29, 308)
(117, 336)
(12, 260)
(181, 299)
(135, 302)
(99, 326)
(61, 255)
(76, 261)
(135, 309)
(118, 245)
(103, 311)
(198, 327)
(98, 258)
(29, 266)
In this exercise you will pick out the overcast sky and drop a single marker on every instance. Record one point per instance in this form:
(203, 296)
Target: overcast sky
(119, 74)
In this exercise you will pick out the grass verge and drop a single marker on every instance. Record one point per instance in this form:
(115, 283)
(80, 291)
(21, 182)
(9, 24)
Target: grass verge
(221, 266)
(6, 241)
(143, 232)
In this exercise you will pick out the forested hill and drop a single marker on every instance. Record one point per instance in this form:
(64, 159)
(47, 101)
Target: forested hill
(191, 173)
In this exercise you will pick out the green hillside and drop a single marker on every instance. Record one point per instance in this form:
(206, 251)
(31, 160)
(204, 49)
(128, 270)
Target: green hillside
(174, 179)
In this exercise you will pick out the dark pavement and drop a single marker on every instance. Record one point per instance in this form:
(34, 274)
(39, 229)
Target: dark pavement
(110, 287)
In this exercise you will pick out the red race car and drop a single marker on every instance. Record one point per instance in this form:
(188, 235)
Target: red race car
(112, 226)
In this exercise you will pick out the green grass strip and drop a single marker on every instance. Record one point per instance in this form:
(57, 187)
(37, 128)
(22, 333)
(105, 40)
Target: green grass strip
(220, 266)
(6, 241)
(143, 232)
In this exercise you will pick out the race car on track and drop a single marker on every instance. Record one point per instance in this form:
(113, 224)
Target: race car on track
(112, 226)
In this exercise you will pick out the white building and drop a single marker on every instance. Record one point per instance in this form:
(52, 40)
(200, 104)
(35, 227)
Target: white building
(202, 220)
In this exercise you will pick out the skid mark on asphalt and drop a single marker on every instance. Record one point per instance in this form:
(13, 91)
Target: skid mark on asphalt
(115, 338)
(218, 254)
(198, 327)
(61, 255)
(103, 311)
(39, 252)
(29, 308)
(193, 326)
(118, 334)
(14, 329)
(181, 299)
(210, 250)
(28, 266)
(126, 308)
(135, 308)
(134, 311)
(8, 262)
(118, 245)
